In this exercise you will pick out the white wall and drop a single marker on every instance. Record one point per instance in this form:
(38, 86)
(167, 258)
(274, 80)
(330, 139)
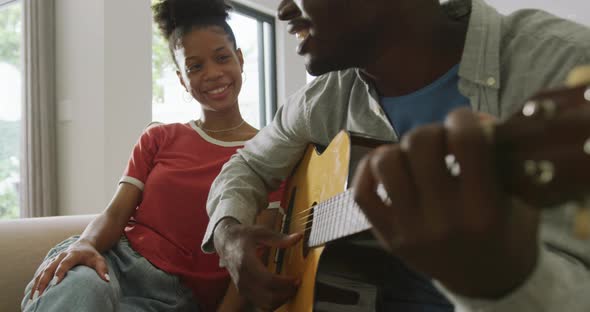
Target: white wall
(80, 94)
(104, 92)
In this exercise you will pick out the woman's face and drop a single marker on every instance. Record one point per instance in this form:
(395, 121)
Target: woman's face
(210, 68)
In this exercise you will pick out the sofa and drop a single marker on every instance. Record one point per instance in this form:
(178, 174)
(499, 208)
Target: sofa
(23, 245)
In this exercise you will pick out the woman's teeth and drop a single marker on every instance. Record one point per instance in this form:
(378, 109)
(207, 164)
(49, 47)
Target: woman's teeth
(217, 91)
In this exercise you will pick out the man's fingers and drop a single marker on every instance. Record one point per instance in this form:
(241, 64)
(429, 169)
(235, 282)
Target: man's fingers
(283, 283)
(391, 167)
(477, 179)
(278, 290)
(377, 212)
(425, 150)
(270, 238)
(266, 290)
(365, 194)
(280, 297)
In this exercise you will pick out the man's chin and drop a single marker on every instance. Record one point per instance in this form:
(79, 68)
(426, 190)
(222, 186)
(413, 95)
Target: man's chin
(319, 67)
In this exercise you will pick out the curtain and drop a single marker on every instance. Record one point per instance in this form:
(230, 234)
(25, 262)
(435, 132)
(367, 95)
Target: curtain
(38, 142)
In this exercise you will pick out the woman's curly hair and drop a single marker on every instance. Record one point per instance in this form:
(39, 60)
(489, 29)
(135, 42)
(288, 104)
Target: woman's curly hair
(176, 18)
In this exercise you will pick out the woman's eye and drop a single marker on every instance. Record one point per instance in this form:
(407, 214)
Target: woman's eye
(193, 68)
(223, 58)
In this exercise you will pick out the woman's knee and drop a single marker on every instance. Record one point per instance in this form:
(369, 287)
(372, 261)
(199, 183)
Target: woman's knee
(85, 279)
(80, 285)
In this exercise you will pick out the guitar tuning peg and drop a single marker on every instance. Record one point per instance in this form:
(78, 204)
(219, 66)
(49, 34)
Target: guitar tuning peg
(581, 223)
(452, 165)
(544, 107)
(541, 172)
(579, 76)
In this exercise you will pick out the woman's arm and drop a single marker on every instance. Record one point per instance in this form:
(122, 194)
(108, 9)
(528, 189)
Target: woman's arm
(104, 231)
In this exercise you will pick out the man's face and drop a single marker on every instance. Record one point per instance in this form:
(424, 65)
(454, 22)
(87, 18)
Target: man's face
(333, 34)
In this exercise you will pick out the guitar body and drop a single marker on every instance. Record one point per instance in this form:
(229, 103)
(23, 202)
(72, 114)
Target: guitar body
(318, 177)
(323, 269)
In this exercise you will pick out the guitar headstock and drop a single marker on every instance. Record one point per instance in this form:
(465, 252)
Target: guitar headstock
(544, 149)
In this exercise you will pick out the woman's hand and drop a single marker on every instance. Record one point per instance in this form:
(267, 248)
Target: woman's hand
(82, 252)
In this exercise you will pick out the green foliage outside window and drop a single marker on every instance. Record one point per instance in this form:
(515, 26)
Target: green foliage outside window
(10, 31)
(10, 41)
(161, 62)
(9, 151)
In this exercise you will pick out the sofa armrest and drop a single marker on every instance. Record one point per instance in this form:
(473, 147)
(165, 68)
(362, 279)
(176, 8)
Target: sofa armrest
(24, 243)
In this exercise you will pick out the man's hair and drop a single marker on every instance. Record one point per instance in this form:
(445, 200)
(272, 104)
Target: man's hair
(176, 18)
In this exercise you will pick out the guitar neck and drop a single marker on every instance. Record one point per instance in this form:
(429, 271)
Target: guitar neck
(336, 218)
(530, 166)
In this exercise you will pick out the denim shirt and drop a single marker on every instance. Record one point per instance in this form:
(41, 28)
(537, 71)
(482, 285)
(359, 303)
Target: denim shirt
(506, 59)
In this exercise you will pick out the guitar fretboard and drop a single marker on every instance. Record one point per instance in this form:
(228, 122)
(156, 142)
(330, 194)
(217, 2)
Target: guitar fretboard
(335, 218)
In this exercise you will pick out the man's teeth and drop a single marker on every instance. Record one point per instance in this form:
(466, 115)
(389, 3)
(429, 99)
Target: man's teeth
(217, 91)
(302, 34)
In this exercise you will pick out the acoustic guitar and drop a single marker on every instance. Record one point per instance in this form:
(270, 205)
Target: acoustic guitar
(337, 259)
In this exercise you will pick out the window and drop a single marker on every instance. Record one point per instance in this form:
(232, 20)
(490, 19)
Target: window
(255, 33)
(10, 106)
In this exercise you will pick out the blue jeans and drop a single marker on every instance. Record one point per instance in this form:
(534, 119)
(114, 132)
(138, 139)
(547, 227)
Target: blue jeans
(135, 285)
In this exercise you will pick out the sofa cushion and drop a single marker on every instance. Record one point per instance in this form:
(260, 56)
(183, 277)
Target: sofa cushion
(23, 244)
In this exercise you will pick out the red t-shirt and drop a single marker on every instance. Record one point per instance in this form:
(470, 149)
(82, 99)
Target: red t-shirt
(174, 165)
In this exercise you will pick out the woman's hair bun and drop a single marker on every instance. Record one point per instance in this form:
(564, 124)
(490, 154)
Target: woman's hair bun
(171, 14)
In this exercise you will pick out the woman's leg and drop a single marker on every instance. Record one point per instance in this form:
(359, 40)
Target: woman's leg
(81, 289)
(147, 288)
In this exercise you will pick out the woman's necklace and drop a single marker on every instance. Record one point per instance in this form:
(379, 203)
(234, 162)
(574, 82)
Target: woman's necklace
(200, 125)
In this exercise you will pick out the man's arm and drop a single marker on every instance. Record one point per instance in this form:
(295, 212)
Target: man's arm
(558, 283)
(241, 190)
(242, 187)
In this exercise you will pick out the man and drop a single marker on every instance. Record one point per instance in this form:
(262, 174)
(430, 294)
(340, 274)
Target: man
(388, 66)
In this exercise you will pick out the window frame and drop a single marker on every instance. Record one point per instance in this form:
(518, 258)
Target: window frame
(5, 2)
(267, 78)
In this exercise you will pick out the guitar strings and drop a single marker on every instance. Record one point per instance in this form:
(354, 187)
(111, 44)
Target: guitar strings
(322, 210)
(325, 212)
(341, 195)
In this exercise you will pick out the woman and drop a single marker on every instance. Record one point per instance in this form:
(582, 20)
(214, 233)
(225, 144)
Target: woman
(159, 207)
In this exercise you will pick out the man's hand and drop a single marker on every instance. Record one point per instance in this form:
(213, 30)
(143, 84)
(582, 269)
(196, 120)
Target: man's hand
(240, 247)
(447, 216)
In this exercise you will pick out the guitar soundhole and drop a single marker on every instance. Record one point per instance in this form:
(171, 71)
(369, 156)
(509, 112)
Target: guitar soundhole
(307, 231)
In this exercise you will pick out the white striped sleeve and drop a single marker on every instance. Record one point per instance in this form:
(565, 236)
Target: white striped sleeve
(132, 181)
